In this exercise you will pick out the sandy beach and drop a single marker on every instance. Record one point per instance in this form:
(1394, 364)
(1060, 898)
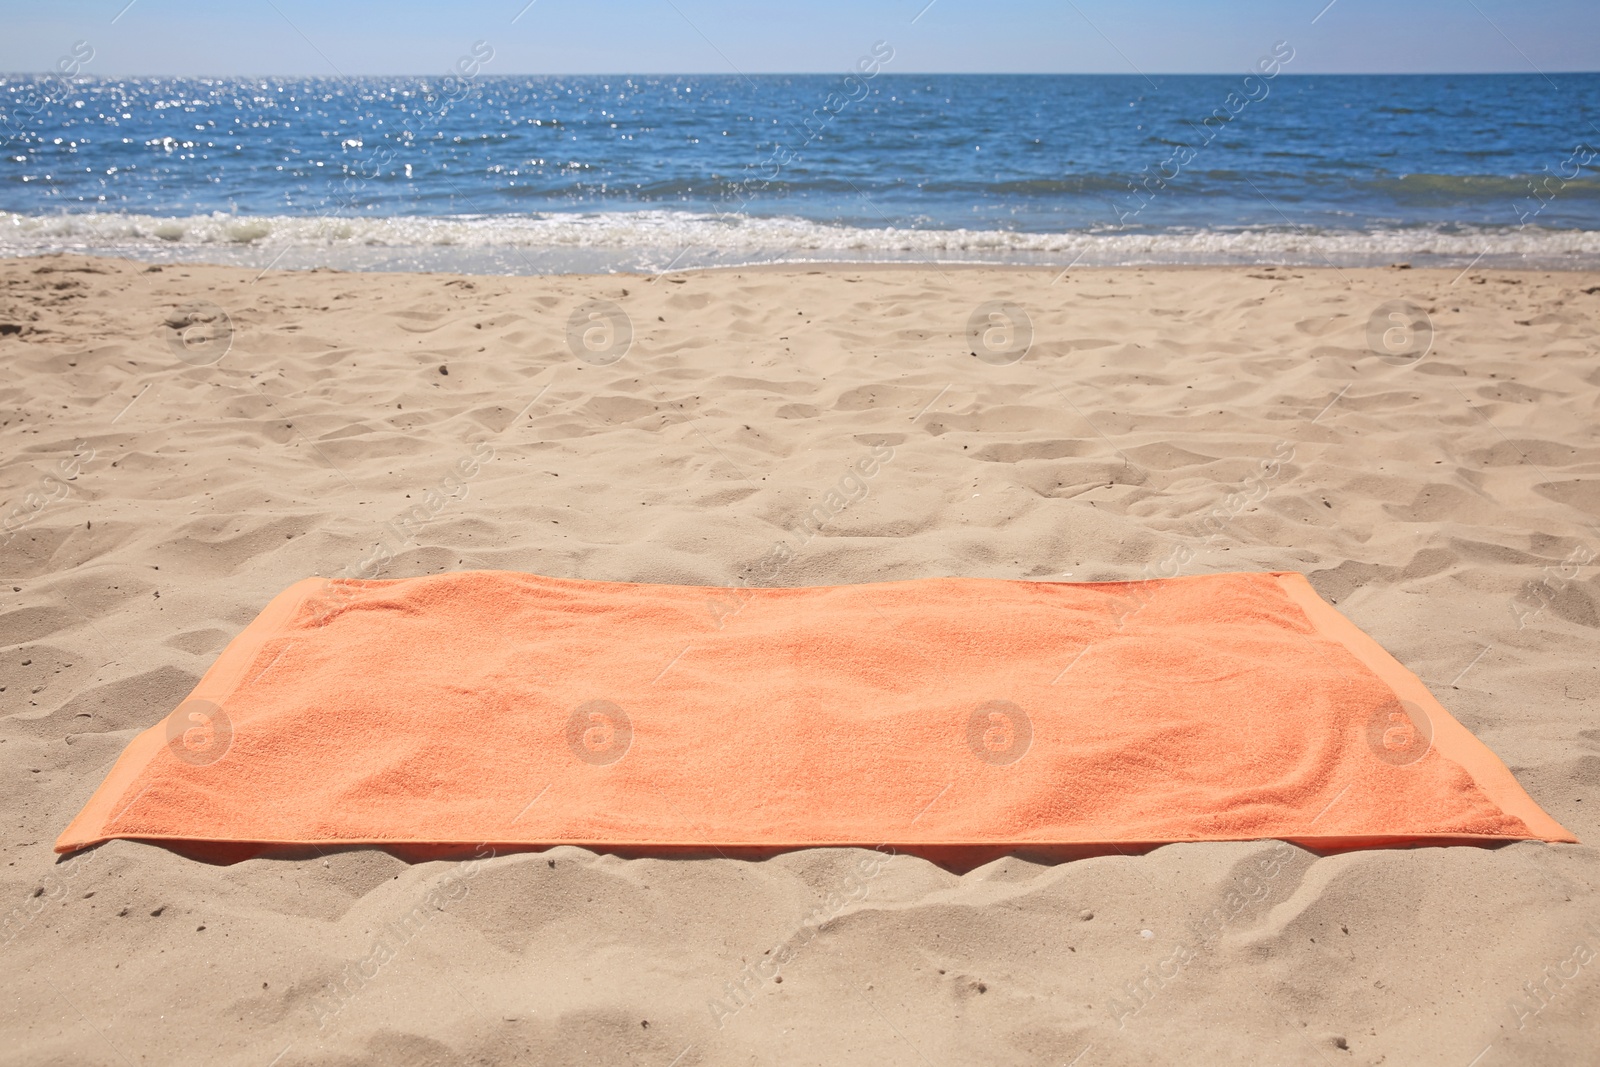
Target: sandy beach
(183, 442)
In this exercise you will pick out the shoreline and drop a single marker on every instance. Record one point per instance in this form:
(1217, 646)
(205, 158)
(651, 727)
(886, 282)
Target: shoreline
(652, 239)
(810, 267)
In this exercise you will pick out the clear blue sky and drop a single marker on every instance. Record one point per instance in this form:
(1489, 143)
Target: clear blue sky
(325, 37)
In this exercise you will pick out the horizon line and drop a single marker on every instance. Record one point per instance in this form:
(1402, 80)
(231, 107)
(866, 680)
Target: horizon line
(486, 75)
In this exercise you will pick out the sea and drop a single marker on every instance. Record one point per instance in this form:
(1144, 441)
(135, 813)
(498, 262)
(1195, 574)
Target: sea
(529, 175)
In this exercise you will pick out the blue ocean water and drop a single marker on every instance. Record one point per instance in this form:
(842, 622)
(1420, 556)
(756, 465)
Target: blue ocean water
(580, 173)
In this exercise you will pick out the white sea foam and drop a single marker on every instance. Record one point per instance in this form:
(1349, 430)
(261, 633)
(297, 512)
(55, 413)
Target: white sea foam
(657, 240)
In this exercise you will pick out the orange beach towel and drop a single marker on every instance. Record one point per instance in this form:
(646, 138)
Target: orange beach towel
(512, 709)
